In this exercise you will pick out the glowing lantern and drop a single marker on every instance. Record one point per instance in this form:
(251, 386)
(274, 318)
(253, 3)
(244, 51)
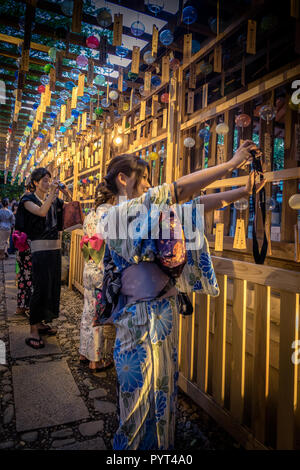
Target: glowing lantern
(243, 120)
(189, 142)
(222, 128)
(153, 155)
(92, 42)
(41, 89)
(164, 98)
(104, 17)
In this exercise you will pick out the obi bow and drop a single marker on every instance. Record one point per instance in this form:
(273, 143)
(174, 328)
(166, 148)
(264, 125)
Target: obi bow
(92, 248)
(20, 241)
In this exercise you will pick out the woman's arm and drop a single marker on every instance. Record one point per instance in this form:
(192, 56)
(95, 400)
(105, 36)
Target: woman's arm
(193, 183)
(43, 210)
(219, 200)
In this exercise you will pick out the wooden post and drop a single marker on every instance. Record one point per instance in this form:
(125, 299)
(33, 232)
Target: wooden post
(219, 348)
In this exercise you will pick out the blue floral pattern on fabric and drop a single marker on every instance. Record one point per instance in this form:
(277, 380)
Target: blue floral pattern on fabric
(141, 352)
(117, 349)
(120, 442)
(162, 323)
(198, 285)
(207, 268)
(160, 404)
(119, 261)
(190, 259)
(129, 371)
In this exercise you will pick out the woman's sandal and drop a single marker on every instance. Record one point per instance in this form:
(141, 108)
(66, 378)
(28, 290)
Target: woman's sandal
(102, 368)
(30, 342)
(47, 331)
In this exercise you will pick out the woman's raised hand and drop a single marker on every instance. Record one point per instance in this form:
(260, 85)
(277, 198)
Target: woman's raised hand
(53, 189)
(243, 156)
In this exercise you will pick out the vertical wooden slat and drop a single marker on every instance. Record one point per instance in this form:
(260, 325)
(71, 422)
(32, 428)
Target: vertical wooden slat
(71, 266)
(237, 384)
(219, 349)
(202, 311)
(260, 389)
(287, 392)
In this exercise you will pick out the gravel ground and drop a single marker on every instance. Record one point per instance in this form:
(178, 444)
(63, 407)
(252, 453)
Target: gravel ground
(195, 430)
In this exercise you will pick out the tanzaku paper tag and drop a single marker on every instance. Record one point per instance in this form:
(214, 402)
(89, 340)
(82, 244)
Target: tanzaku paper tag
(219, 237)
(240, 236)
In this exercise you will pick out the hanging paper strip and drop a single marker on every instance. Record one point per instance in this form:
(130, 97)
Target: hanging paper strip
(63, 113)
(74, 97)
(43, 104)
(251, 37)
(86, 152)
(154, 128)
(219, 238)
(143, 110)
(204, 95)
(138, 132)
(165, 69)
(147, 81)
(78, 123)
(131, 99)
(90, 74)
(52, 79)
(165, 118)
(66, 141)
(173, 89)
(83, 122)
(193, 76)
(73, 148)
(120, 79)
(135, 63)
(77, 16)
(103, 50)
(218, 58)
(25, 60)
(240, 236)
(120, 105)
(154, 40)
(268, 151)
(154, 107)
(123, 124)
(47, 95)
(96, 157)
(220, 154)
(295, 8)
(187, 47)
(80, 87)
(68, 112)
(190, 102)
(58, 65)
(118, 29)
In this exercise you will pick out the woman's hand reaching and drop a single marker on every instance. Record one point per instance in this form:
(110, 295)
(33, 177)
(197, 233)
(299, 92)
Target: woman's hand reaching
(242, 156)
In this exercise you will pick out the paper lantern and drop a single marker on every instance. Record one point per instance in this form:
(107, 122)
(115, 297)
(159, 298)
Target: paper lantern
(174, 64)
(45, 79)
(267, 113)
(294, 201)
(241, 204)
(113, 94)
(243, 120)
(92, 42)
(222, 128)
(74, 74)
(82, 61)
(105, 103)
(155, 6)
(100, 80)
(132, 76)
(122, 51)
(164, 98)
(75, 113)
(166, 37)
(99, 111)
(137, 28)
(148, 58)
(155, 80)
(153, 156)
(81, 106)
(162, 153)
(189, 142)
(213, 24)
(85, 98)
(270, 204)
(69, 85)
(41, 88)
(53, 115)
(189, 15)
(52, 53)
(107, 68)
(104, 17)
(67, 7)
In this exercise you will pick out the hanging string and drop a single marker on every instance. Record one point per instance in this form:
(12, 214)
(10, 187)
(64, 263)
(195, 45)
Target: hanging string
(218, 18)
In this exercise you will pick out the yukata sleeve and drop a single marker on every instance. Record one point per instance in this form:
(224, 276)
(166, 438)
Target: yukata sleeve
(135, 213)
(198, 274)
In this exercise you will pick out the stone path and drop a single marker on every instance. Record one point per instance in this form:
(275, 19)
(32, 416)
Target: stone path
(49, 401)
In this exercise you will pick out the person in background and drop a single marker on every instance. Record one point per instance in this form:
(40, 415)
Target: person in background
(11, 250)
(7, 221)
(39, 215)
(95, 348)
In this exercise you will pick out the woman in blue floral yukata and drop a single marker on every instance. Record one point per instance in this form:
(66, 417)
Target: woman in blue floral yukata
(143, 301)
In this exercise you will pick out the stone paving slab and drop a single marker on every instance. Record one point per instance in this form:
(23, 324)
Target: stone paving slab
(46, 395)
(92, 444)
(18, 348)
